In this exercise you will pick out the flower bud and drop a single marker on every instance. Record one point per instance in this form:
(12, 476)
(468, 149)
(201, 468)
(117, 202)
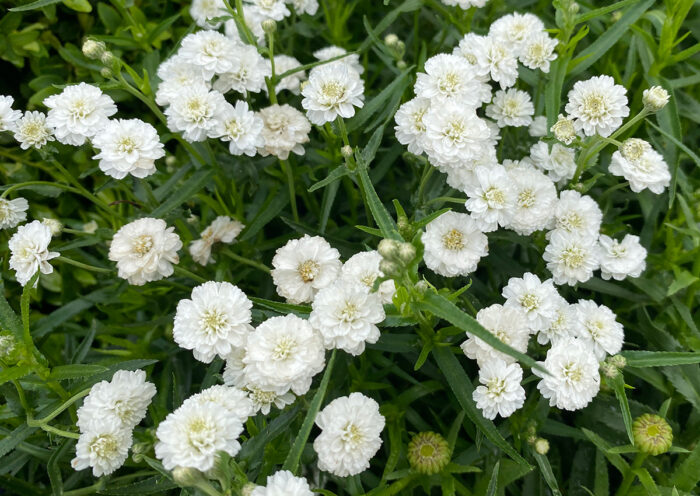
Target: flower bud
(93, 49)
(401, 64)
(108, 59)
(90, 227)
(106, 72)
(54, 225)
(618, 361)
(428, 453)
(652, 434)
(422, 286)
(609, 370)
(269, 26)
(387, 248)
(187, 476)
(346, 151)
(248, 489)
(655, 98)
(541, 446)
(391, 39)
(564, 130)
(387, 267)
(574, 8)
(407, 252)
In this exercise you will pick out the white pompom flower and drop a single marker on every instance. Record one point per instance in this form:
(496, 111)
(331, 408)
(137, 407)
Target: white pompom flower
(535, 199)
(195, 111)
(511, 108)
(330, 92)
(449, 79)
(222, 230)
(241, 128)
(246, 74)
(292, 83)
(453, 245)
(641, 165)
(454, 134)
(8, 116)
(145, 250)
(104, 447)
(516, 30)
(350, 434)
(215, 321)
(203, 11)
(12, 212)
(562, 325)
(500, 392)
(29, 251)
(559, 163)
(233, 400)
(570, 257)
(285, 130)
(577, 213)
(597, 106)
(508, 324)
(621, 259)
(491, 197)
(538, 51)
(283, 483)
(535, 298)
(410, 129)
(363, 269)
(352, 61)
(211, 51)
(128, 146)
(597, 326)
(31, 130)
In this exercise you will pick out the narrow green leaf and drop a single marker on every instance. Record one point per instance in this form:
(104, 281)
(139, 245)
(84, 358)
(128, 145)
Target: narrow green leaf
(34, 5)
(52, 467)
(694, 157)
(601, 484)
(592, 14)
(10, 442)
(14, 372)
(647, 481)
(687, 475)
(660, 358)
(153, 485)
(187, 190)
(334, 175)
(75, 371)
(398, 85)
(618, 384)
(381, 216)
(547, 474)
(616, 460)
(272, 206)
(493, 482)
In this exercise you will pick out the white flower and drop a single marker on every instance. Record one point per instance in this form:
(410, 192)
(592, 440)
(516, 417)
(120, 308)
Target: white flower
(214, 322)
(598, 328)
(31, 130)
(562, 326)
(284, 63)
(234, 372)
(564, 130)
(29, 248)
(283, 483)
(104, 448)
(453, 244)
(560, 163)
(192, 435)
(535, 199)
(351, 427)
(641, 165)
(247, 72)
(284, 353)
(263, 400)
(145, 250)
(123, 401)
(570, 257)
(576, 213)
(79, 112)
(304, 6)
(351, 61)
(538, 127)
(175, 75)
(508, 324)
(573, 379)
(511, 108)
(536, 299)
(597, 105)
(285, 130)
(474, 49)
(410, 129)
(222, 230)
(332, 91)
(202, 11)
(211, 51)
(271, 9)
(346, 316)
(128, 146)
(516, 30)
(303, 266)
(538, 51)
(241, 128)
(454, 134)
(232, 399)
(491, 197)
(12, 212)
(8, 116)
(460, 175)
(621, 259)
(449, 79)
(196, 111)
(655, 98)
(363, 269)
(465, 4)
(501, 393)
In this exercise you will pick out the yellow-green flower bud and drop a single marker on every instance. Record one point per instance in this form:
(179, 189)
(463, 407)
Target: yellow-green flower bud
(652, 434)
(428, 453)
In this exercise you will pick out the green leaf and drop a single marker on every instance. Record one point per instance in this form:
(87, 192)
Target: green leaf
(34, 5)
(493, 482)
(547, 474)
(647, 482)
(694, 157)
(292, 461)
(10, 442)
(75, 371)
(398, 85)
(462, 388)
(616, 460)
(660, 358)
(15, 372)
(8, 318)
(52, 467)
(687, 475)
(273, 205)
(152, 485)
(334, 175)
(189, 188)
(618, 384)
(592, 14)
(601, 484)
(381, 216)
(441, 307)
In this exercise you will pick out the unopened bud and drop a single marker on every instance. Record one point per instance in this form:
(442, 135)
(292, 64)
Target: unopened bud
(428, 453)
(564, 130)
(187, 476)
(269, 26)
(90, 227)
(574, 8)
(93, 49)
(8, 347)
(387, 248)
(346, 151)
(391, 39)
(652, 434)
(407, 252)
(248, 489)
(170, 161)
(618, 361)
(54, 225)
(609, 370)
(541, 446)
(107, 59)
(422, 286)
(106, 72)
(401, 65)
(387, 267)
(655, 98)
(617, 15)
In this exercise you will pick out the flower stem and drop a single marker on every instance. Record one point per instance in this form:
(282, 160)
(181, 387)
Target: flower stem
(75, 263)
(629, 476)
(246, 261)
(287, 169)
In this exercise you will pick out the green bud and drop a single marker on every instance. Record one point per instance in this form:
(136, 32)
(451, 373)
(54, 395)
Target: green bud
(388, 248)
(269, 26)
(428, 453)
(187, 476)
(388, 268)
(346, 151)
(541, 446)
(407, 252)
(618, 361)
(652, 434)
(93, 49)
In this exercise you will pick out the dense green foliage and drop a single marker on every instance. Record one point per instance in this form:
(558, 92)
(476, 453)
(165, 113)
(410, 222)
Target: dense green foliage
(85, 324)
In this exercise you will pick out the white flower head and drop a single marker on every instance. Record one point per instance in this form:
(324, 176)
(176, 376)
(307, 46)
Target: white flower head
(516, 30)
(247, 72)
(454, 134)
(473, 49)
(263, 400)
(284, 353)
(233, 400)
(573, 379)
(500, 392)
(363, 269)
(491, 197)
(410, 129)
(538, 127)
(222, 230)
(214, 322)
(535, 298)
(292, 83)
(31, 130)
(79, 112)
(460, 174)
(123, 401)
(347, 315)
(453, 244)
(351, 61)
(538, 51)
(535, 198)
(241, 128)
(511, 108)
(449, 79)
(12, 212)
(562, 326)
(597, 106)
(641, 165)
(285, 130)
(176, 74)
(270, 9)
(211, 51)
(501, 60)
(508, 324)
(145, 250)
(29, 248)
(283, 483)
(655, 98)
(577, 213)
(465, 4)
(332, 91)
(596, 325)
(8, 116)
(104, 448)
(350, 434)
(620, 259)
(128, 146)
(304, 6)
(196, 112)
(559, 163)
(304, 266)
(570, 257)
(203, 11)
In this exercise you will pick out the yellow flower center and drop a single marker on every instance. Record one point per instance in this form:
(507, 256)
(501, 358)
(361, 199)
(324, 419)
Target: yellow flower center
(453, 240)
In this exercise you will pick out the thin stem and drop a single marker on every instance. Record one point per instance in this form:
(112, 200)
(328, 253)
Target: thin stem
(184, 272)
(69, 177)
(246, 261)
(287, 169)
(630, 475)
(343, 130)
(271, 81)
(60, 432)
(86, 490)
(28, 184)
(43, 421)
(75, 263)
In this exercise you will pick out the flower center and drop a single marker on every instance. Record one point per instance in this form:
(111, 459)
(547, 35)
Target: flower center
(33, 129)
(633, 149)
(494, 196)
(618, 251)
(197, 110)
(454, 131)
(529, 301)
(333, 90)
(502, 336)
(142, 244)
(572, 221)
(352, 435)
(79, 109)
(595, 328)
(104, 446)
(595, 105)
(308, 270)
(449, 83)
(511, 107)
(573, 257)
(283, 348)
(496, 387)
(234, 128)
(213, 321)
(453, 240)
(262, 397)
(368, 280)
(200, 435)
(126, 144)
(572, 373)
(526, 198)
(349, 312)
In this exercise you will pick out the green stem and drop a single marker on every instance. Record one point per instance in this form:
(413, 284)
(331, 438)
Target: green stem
(76, 184)
(184, 272)
(271, 81)
(28, 184)
(75, 263)
(44, 421)
(86, 490)
(246, 261)
(630, 476)
(343, 130)
(287, 169)
(60, 432)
